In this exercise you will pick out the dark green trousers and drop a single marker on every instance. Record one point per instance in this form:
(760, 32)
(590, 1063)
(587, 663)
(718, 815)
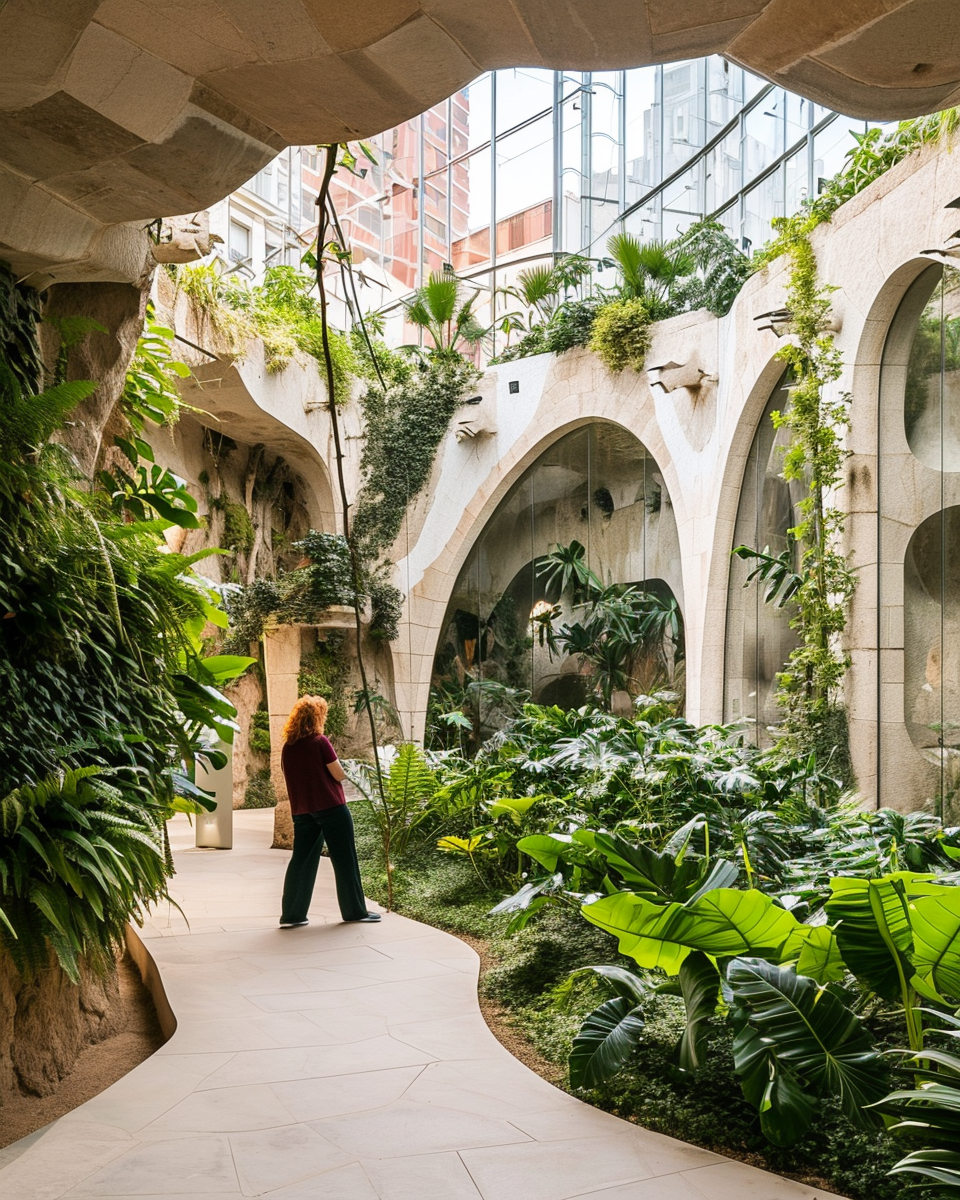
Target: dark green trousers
(332, 827)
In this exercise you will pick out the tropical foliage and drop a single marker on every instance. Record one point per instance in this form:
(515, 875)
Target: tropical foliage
(443, 309)
(110, 697)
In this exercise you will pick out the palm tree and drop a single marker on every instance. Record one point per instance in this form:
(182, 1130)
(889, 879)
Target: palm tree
(650, 271)
(442, 310)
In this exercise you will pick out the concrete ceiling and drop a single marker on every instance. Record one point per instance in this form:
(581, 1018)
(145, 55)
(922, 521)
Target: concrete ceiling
(119, 111)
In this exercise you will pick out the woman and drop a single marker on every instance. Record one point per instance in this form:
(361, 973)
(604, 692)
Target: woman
(320, 815)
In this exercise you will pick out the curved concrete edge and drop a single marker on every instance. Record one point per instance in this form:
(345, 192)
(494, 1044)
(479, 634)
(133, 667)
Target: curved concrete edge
(349, 1062)
(150, 977)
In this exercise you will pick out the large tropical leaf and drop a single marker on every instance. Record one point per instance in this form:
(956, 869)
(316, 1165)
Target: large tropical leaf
(606, 1040)
(658, 876)
(820, 958)
(874, 931)
(936, 939)
(723, 923)
(700, 988)
(931, 1109)
(800, 1041)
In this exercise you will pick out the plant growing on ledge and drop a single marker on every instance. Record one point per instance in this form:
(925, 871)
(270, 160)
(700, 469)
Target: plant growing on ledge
(809, 685)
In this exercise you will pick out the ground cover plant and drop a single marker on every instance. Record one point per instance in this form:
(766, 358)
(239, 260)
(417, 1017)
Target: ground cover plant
(704, 934)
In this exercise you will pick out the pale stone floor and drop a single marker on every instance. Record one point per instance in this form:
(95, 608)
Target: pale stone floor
(339, 1062)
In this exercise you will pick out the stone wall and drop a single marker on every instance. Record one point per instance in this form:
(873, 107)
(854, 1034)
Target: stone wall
(45, 1023)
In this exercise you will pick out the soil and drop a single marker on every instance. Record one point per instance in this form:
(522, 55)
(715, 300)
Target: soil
(96, 1068)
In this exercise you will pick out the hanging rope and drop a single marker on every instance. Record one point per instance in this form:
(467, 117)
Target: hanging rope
(324, 208)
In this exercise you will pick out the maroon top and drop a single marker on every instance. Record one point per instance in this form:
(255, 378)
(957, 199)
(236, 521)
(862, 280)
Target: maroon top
(310, 785)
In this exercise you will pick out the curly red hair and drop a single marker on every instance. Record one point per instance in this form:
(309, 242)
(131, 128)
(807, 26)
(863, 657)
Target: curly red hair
(308, 716)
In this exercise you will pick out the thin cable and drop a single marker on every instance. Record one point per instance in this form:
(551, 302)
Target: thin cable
(330, 165)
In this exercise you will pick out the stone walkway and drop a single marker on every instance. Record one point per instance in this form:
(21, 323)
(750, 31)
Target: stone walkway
(339, 1062)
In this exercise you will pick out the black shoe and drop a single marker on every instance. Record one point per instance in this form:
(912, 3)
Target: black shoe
(292, 924)
(369, 919)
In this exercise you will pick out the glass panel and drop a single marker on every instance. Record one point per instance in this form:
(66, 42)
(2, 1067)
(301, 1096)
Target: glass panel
(723, 171)
(799, 113)
(830, 147)
(642, 132)
(763, 135)
(478, 102)
(401, 207)
(522, 92)
(724, 89)
(760, 206)
(472, 195)
(931, 410)
(683, 126)
(918, 448)
(525, 186)
(796, 186)
(681, 201)
(759, 638)
(597, 486)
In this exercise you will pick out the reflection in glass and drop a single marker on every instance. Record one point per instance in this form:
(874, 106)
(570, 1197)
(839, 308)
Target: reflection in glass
(918, 450)
(931, 410)
(759, 638)
(598, 486)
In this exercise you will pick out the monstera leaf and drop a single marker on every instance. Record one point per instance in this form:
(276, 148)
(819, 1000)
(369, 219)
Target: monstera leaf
(799, 1043)
(723, 923)
(606, 1040)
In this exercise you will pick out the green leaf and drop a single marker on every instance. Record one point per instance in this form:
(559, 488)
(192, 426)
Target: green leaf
(805, 1033)
(550, 848)
(225, 668)
(873, 930)
(606, 1040)
(820, 956)
(700, 988)
(723, 923)
(936, 939)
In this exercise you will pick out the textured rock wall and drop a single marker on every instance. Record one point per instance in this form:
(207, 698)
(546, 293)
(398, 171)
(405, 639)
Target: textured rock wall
(45, 1022)
(102, 357)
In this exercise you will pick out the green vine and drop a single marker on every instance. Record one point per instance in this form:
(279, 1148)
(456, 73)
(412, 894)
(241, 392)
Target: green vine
(809, 685)
(405, 424)
(874, 154)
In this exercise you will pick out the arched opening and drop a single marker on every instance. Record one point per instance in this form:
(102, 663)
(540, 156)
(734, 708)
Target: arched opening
(758, 635)
(918, 575)
(597, 486)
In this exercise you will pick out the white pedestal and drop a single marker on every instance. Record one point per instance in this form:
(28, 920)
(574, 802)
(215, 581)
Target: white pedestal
(215, 829)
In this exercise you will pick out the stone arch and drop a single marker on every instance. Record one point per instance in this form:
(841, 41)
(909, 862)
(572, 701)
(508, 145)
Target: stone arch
(863, 542)
(625, 403)
(758, 394)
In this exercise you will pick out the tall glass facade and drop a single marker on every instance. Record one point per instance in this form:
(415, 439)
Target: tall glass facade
(526, 163)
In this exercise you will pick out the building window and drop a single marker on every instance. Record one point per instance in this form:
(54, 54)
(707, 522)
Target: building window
(239, 243)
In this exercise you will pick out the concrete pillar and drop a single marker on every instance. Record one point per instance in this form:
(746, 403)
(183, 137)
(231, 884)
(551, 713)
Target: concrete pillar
(281, 664)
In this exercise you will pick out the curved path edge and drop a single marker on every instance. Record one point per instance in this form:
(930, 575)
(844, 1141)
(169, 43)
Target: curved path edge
(339, 1062)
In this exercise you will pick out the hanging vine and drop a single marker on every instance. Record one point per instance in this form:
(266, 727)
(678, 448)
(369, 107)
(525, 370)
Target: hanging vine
(822, 585)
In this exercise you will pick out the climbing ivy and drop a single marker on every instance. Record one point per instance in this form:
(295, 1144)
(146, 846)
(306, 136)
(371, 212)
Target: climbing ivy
(405, 424)
(809, 685)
